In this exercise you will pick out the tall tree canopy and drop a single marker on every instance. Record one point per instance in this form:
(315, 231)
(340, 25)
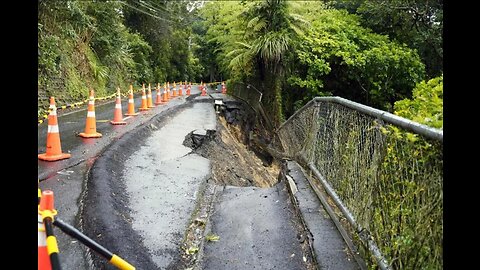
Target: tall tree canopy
(419, 24)
(292, 58)
(371, 51)
(104, 44)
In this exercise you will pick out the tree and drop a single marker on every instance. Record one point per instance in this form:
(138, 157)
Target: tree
(270, 33)
(166, 26)
(337, 56)
(419, 24)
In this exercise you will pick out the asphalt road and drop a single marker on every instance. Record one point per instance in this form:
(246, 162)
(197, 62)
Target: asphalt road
(256, 230)
(67, 178)
(137, 189)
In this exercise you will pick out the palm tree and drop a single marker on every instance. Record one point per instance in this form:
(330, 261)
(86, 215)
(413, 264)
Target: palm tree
(270, 33)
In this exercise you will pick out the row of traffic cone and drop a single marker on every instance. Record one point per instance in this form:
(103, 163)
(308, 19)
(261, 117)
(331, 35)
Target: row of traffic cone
(54, 148)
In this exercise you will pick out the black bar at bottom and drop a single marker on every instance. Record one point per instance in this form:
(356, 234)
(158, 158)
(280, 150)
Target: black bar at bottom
(73, 232)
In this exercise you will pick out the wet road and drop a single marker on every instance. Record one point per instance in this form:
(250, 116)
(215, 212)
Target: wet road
(81, 149)
(256, 229)
(162, 180)
(330, 249)
(66, 178)
(143, 187)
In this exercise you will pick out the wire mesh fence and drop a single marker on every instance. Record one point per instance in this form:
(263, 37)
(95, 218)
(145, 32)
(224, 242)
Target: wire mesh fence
(389, 176)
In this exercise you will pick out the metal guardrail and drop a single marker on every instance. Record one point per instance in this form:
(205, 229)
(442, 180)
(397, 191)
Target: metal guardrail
(407, 124)
(253, 97)
(384, 172)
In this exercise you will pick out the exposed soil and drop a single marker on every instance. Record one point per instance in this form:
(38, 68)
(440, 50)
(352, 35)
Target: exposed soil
(233, 162)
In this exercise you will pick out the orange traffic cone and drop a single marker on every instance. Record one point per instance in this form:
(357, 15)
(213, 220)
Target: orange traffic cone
(144, 100)
(149, 98)
(91, 123)
(46, 212)
(224, 90)
(165, 96)
(117, 115)
(204, 90)
(174, 89)
(43, 258)
(159, 101)
(188, 90)
(131, 103)
(168, 91)
(54, 147)
(180, 90)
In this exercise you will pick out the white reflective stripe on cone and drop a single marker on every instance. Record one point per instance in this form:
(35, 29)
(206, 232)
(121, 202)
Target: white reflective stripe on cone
(130, 101)
(52, 129)
(90, 114)
(42, 236)
(118, 106)
(91, 102)
(144, 97)
(53, 112)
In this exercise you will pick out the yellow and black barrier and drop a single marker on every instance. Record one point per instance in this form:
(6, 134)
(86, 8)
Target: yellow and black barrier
(47, 211)
(112, 258)
(210, 83)
(80, 103)
(71, 105)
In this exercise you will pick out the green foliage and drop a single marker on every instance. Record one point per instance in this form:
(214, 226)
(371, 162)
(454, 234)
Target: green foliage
(252, 42)
(426, 105)
(409, 201)
(419, 24)
(390, 179)
(80, 45)
(339, 57)
(102, 45)
(168, 33)
(224, 39)
(267, 44)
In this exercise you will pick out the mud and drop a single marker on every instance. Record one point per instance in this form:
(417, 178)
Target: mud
(233, 161)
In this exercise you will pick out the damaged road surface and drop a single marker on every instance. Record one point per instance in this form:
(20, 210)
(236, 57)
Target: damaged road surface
(184, 191)
(143, 190)
(162, 181)
(257, 230)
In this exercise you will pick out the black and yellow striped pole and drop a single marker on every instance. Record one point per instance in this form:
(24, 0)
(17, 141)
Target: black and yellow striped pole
(112, 258)
(47, 212)
(39, 195)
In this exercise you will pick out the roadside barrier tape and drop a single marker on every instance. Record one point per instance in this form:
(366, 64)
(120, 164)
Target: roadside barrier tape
(76, 104)
(80, 103)
(195, 83)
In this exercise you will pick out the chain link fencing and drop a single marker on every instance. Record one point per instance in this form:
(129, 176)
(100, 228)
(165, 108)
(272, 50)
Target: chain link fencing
(384, 172)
